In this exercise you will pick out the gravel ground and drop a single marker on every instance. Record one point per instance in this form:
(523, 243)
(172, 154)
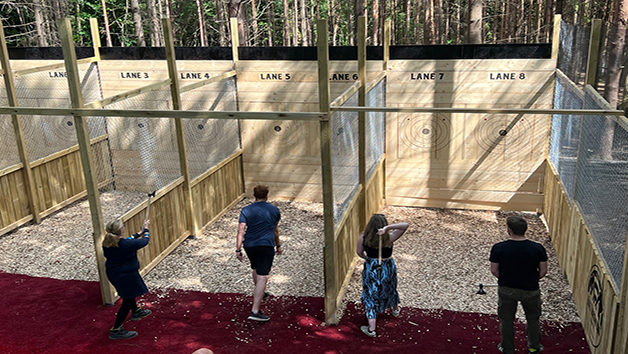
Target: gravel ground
(440, 260)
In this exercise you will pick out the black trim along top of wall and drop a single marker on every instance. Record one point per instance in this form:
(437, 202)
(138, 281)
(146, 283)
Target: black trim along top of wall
(401, 52)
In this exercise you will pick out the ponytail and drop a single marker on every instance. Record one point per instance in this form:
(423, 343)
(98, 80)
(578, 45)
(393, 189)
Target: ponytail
(114, 230)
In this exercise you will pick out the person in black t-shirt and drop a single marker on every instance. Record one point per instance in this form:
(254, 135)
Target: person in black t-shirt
(518, 264)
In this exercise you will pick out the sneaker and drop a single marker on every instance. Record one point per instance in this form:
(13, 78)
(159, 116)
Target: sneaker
(121, 333)
(258, 317)
(139, 314)
(500, 347)
(532, 350)
(396, 312)
(266, 296)
(368, 332)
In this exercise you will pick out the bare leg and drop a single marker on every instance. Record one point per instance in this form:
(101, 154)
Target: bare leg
(258, 294)
(372, 322)
(254, 273)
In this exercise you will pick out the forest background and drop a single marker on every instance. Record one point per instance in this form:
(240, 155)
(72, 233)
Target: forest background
(124, 23)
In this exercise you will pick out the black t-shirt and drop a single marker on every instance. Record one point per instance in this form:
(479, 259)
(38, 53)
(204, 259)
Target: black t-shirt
(518, 263)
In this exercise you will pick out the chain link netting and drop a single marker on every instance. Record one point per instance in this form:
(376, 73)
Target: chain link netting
(144, 151)
(210, 141)
(375, 127)
(9, 154)
(565, 133)
(601, 187)
(594, 173)
(573, 51)
(344, 159)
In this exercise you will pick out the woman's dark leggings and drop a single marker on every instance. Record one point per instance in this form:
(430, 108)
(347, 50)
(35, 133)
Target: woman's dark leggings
(128, 305)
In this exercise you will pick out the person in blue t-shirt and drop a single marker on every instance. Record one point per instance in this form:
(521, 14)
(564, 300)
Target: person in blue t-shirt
(518, 263)
(259, 234)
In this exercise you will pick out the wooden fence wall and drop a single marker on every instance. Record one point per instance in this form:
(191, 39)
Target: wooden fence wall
(595, 297)
(461, 160)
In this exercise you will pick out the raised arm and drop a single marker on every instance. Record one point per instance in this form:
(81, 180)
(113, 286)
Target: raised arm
(396, 230)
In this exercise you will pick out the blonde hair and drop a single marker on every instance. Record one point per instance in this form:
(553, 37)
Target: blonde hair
(114, 230)
(371, 238)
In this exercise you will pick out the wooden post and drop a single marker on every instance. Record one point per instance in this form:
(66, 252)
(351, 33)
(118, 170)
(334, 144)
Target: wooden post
(594, 52)
(82, 135)
(235, 44)
(621, 323)
(93, 26)
(17, 128)
(192, 223)
(362, 118)
(556, 36)
(329, 251)
(387, 26)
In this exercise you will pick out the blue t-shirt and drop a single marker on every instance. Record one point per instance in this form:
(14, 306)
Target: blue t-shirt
(260, 219)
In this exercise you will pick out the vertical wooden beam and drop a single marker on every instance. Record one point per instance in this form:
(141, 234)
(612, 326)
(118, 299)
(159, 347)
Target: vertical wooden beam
(17, 128)
(82, 134)
(93, 26)
(387, 25)
(329, 252)
(621, 323)
(235, 44)
(362, 117)
(594, 52)
(556, 36)
(235, 40)
(192, 223)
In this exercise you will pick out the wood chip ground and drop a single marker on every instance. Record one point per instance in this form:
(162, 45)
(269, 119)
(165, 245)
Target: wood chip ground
(440, 260)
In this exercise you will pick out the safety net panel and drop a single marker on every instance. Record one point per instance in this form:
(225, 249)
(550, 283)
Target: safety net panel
(144, 151)
(573, 51)
(210, 141)
(46, 135)
(345, 165)
(601, 185)
(565, 133)
(375, 126)
(9, 155)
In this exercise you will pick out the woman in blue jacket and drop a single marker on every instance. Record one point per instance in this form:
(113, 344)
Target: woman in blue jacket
(122, 268)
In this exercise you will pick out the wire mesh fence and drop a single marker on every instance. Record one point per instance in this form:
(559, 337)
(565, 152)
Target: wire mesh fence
(344, 159)
(9, 155)
(573, 51)
(594, 173)
(375, 127)
(209, 141)
(565, 133)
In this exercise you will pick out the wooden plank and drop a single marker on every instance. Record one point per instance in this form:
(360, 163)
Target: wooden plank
(128, 94)
(475, 65)
(11, 169)
(49, 67)
(15, 225)
(593, 53)
(218, 166)
(95, 34)
(340, 100)
(82, 133)
(211, 80)
(556, 36)
(361, 124)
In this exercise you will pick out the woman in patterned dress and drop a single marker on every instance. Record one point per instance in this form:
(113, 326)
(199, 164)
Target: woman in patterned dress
(379, 276)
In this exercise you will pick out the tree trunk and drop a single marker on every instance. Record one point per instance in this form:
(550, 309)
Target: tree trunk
(39, 24)
(236, 10)
(407, 20)
(270, 11)
(286, 24)
(375, 15)
(333, 23)
(616, 45)
(428, 25)
(295, 24)
(106, 24)
(475, 22)
(201, 23)
(458, 21)
(223, 22)
(137, 20)
(254, 22)
(305, 33)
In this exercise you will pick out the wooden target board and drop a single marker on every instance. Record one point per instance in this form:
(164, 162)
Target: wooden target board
(461, 160)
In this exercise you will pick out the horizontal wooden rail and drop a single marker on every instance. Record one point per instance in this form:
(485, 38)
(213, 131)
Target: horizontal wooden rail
(11, 169)
(211, 80)
(93, 112)
(16, 224)
(375, 81)
(478, 110)
(37, 69)
(213, 169)
(354, 201)
(347, 94)
(67, 151)
(128, 94)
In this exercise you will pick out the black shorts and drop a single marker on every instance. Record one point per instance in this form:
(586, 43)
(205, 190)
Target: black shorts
(261, 258)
